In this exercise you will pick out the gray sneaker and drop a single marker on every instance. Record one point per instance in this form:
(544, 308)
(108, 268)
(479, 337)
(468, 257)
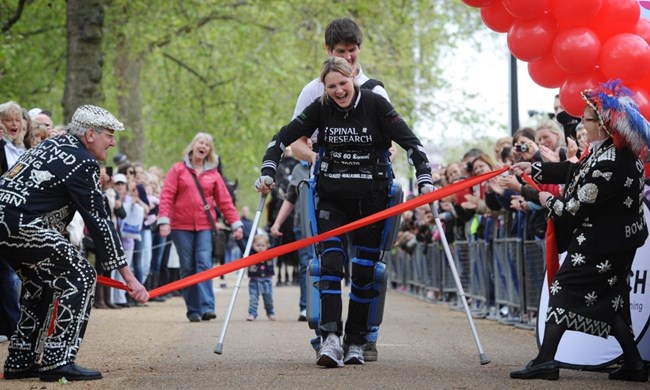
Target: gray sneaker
(354, 355)
(330, 354)
(370, 352)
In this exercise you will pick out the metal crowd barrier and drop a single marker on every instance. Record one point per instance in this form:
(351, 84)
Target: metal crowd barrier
(502, 276)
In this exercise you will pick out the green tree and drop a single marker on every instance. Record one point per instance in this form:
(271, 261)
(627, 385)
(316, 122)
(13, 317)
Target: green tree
(232, 68)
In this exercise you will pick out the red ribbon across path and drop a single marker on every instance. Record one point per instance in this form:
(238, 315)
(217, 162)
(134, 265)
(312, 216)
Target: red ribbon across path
(552, 258)
(293, 246)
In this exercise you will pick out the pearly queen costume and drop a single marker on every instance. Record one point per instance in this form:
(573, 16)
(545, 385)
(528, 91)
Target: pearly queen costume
(38, 198)
(599, 220)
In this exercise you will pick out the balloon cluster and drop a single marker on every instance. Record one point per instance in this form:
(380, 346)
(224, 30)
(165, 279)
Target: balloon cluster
(576, 44)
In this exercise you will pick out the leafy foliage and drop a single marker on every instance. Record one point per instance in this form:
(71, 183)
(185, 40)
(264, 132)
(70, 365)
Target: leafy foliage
(233, 68)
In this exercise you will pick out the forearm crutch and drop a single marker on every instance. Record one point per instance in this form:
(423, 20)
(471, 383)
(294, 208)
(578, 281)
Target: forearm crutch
(240, 273)
(459, 286)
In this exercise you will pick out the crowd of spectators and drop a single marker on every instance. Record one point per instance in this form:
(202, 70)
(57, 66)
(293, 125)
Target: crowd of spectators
(504, 206)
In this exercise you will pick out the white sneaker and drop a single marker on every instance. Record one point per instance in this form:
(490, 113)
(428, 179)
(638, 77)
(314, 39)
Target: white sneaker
(330, 354)
(354, 355)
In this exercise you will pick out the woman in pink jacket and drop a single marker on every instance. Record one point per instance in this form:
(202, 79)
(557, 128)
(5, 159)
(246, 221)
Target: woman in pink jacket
(182, 214)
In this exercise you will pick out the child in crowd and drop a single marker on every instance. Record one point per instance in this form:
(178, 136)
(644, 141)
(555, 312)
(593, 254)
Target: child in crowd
(261, 280)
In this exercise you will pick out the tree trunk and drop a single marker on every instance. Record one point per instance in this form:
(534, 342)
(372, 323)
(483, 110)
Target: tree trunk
(85, 20)
(127, 75)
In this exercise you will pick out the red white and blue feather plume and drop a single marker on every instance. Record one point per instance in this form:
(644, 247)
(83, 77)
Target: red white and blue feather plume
(618, 111)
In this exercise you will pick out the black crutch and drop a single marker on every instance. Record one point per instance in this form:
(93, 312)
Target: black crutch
(240, 274)
(459, 286)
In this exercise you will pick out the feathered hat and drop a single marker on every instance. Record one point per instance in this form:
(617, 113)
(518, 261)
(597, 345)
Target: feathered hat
(618, 111)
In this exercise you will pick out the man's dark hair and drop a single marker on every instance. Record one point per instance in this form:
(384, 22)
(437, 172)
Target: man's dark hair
(343, 30)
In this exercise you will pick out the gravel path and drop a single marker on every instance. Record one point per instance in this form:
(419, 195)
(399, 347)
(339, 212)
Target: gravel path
(421, 346)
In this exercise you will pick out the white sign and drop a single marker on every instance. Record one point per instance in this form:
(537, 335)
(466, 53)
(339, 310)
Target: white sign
(581, 350)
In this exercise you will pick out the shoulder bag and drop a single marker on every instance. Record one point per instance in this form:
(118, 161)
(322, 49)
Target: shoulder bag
(219, 237)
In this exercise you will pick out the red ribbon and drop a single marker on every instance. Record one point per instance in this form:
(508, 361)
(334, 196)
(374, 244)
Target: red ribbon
(552, 258)
(55, 310)
(112, 283)
(293, 246)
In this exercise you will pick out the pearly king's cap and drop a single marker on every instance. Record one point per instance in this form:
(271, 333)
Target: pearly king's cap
(96, 117)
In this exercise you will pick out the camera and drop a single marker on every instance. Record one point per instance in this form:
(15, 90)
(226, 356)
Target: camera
(521, 148)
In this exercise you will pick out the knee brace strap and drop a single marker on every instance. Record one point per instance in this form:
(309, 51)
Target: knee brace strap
(363, 262)
(330, 285)
(330, 245)
(362, 294)
(363, 252)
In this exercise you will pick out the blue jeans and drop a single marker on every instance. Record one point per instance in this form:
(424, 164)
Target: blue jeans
(263, 286)
(157, 251)
(195, 255)
(9, 299)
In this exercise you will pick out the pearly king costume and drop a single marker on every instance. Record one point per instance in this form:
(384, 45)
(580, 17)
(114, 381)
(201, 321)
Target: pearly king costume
(599, 218)
(38, 198)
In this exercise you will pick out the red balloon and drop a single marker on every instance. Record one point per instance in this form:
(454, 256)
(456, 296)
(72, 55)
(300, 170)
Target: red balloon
(526, 9)
(616, 17)
(575, 12)
(478, 3)
(532, 39)
(574, 84)
(642, 98)
(496, 18)
(576, 49)
(643, 29)
(546, 73)
(625, 57)
(644, 83)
